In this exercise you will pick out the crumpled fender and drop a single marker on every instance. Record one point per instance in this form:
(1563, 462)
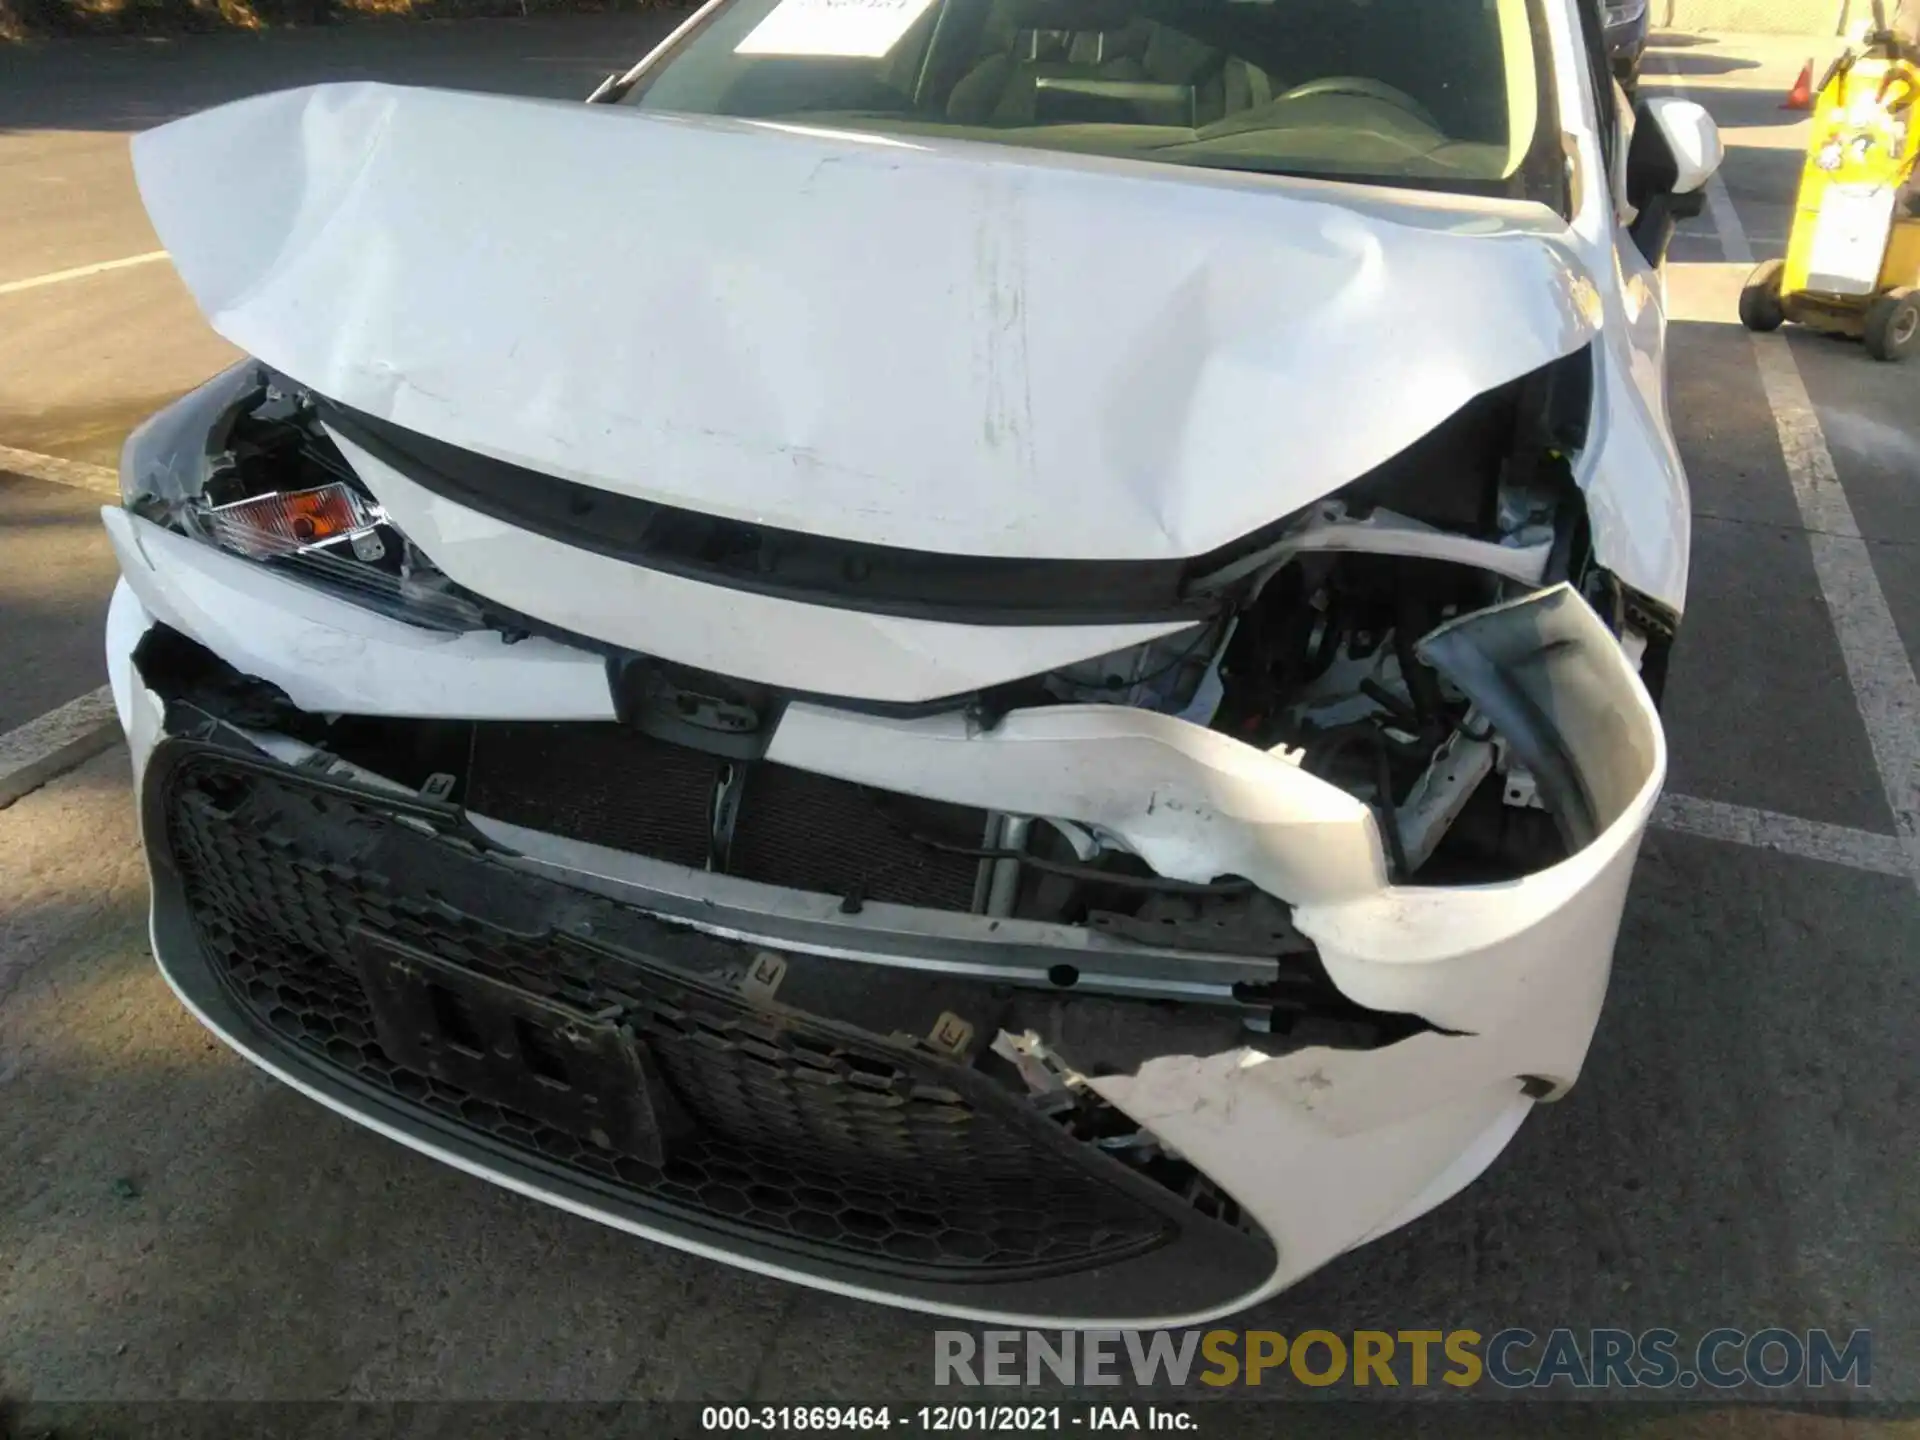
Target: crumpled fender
(1526, 960)
(1325, 1147)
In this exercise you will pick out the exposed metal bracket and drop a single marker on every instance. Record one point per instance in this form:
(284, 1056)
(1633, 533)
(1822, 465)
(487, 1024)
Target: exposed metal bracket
(1030, 953)
(724, 813)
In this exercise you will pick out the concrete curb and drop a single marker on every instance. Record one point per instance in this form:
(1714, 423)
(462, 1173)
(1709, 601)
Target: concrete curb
(56, 742)
(77, 731)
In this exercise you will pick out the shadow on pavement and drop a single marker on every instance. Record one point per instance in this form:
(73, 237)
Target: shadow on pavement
(1704, 64)
(1675, 40)
(1734, 107)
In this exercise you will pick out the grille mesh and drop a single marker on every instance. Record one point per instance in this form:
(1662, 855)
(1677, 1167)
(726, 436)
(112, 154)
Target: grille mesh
(797, 1131)
(615, 787)
(813, 832)
(598, 783)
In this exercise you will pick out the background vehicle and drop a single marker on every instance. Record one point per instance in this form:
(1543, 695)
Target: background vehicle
(1627, 22)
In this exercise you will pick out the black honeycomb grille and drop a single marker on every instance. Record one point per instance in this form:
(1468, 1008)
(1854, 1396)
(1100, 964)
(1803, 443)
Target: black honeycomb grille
(612, 786)
(600, 783)
(812, 832)
(796, 1131)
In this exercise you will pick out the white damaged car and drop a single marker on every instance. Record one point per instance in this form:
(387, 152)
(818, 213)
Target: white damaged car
(999, 655)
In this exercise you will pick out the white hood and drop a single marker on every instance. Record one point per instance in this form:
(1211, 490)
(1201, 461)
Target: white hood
(931, 345)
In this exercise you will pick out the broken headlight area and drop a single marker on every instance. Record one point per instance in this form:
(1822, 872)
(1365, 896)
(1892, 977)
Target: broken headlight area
(243, 463)
(1328, 670)
(1324, 646)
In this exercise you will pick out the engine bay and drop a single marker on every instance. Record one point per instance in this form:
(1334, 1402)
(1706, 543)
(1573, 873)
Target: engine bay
(1317, 646)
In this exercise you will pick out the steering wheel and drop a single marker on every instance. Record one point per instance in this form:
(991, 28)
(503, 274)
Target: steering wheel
(1372, 89)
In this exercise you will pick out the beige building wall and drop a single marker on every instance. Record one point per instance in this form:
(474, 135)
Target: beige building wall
(1761, 17)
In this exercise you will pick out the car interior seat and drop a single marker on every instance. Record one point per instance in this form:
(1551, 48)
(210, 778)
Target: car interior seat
(1091, 61)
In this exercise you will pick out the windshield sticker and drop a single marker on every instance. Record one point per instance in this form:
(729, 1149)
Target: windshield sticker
(856, 29)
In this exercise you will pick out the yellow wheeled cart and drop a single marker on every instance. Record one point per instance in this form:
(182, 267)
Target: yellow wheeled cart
(1853, 259)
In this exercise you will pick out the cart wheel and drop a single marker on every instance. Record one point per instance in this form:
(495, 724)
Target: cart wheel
(1760, 297)
(1892, 324)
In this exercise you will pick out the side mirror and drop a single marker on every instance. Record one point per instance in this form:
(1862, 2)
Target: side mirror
(1676, 150)
(1690, 138)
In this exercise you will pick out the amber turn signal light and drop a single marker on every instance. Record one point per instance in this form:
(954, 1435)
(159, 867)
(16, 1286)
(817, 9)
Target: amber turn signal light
(285, 522)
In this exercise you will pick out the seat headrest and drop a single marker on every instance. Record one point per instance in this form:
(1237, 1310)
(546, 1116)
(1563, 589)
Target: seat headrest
(1077, 15)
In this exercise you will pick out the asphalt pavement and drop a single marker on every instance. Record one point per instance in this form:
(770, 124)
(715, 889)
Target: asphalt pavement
(1739, 1151)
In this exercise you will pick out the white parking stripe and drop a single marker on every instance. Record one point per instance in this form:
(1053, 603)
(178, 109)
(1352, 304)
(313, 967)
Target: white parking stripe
(80, 272)
(1884, 688)
(59, 740)
(1734, 244)
(1788, 834)
(77, 474)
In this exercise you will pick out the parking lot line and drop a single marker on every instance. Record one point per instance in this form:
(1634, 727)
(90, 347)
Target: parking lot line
(1884, 686)
(80, 272)
(75, 474)
(1788, 834)
(55, 743)
(1885, 690)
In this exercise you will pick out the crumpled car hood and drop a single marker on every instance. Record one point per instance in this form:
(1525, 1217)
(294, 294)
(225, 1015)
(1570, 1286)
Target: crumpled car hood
(931, 345)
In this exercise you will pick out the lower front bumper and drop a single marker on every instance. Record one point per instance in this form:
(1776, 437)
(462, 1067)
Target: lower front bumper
(798, 1144)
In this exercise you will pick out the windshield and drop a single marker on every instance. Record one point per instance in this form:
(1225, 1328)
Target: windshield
(1448, 94)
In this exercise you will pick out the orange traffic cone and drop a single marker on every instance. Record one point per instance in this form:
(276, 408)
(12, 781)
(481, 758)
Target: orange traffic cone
(1801, 96)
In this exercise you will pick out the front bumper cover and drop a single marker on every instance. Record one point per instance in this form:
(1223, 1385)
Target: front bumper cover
(1322, 1148)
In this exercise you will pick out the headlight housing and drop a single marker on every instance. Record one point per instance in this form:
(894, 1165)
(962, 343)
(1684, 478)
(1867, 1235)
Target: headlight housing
(168, 459)
(243, 463)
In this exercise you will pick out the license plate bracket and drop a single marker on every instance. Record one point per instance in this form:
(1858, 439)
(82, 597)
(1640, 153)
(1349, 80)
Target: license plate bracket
(581, 1073)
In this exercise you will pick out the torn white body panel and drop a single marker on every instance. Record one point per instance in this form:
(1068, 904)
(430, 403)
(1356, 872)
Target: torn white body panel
(906, 343)
(1194, 804)
(1322, 1146)
(1385, 533)
(810, 648)
(1517, 972)
(1474, 957)
(332, 656)
(1528, 960)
